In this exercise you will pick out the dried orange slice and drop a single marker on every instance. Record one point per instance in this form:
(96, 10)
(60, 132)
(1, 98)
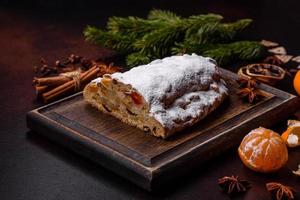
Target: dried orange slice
(263, 150)
(292, 135)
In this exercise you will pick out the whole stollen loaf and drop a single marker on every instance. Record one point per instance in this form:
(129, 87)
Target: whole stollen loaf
(162, 97)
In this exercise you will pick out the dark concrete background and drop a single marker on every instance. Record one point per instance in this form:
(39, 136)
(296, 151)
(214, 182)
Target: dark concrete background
(32, 168)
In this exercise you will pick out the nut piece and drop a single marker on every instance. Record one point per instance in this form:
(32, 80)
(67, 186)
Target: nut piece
(298, 171)
(106, 81)
(284, 58)
(146, 129)
(93, 88)
(268, 43)
(296, 59)
(278, 50)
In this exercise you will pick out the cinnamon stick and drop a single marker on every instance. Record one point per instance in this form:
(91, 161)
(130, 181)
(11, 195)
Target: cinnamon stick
(41, 89)
(51, 81)
(69, 86)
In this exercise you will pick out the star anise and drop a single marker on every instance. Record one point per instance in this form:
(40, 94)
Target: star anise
(280, 192)
(248, 90)
(247, 82)
(108, 69)
(233, 184)
(250, 94)
(44, 69)
(72, 63)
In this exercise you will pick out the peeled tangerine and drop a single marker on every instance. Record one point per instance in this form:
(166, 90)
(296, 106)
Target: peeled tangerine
(263, 150)
(292, 135)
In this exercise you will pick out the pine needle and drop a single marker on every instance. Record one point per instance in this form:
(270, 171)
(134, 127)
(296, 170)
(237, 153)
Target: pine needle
(163, 15)
(108, 39)
(225, 53)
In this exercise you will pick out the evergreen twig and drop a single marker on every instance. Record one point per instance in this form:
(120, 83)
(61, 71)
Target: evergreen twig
(163, 15)
(108, 39)
(164, 33)
(132, 26)
(137, 58)
(225, 53)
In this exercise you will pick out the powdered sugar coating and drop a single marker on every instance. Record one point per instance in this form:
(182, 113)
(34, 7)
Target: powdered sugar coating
(177, 88)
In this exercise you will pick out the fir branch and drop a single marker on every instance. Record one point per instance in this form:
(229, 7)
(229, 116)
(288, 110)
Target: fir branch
(163, 15)
(241, 50)
(225, 53)
(217, 32)
(137, 58)
(200, 25)
(159, 42)
(238, 25)
(228, 31)
(134, 27)
(164, 33)
(108, 39)
(200, 35)
(207, 18)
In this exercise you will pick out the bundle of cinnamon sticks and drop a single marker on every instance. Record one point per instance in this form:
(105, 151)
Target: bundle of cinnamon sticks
(51, 87)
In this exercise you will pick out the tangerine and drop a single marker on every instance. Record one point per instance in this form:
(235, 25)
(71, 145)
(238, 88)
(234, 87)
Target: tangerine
(263, 150)
(297, 82)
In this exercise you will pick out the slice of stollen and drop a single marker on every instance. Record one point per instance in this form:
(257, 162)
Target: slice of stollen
(162, 97)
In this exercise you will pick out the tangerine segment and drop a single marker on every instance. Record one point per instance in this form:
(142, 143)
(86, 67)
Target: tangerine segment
(263, 150)
(297, 82)
(292, 135)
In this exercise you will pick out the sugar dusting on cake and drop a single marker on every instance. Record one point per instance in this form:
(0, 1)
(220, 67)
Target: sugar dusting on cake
(164, 80)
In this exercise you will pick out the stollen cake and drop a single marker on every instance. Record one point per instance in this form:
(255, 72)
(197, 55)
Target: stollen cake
(162, 97)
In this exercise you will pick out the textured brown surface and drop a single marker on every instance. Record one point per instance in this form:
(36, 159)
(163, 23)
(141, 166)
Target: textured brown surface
(33, 168)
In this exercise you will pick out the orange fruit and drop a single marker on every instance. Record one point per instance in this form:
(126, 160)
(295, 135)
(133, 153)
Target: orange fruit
(297, 82)
(292, 135)
(263, 150)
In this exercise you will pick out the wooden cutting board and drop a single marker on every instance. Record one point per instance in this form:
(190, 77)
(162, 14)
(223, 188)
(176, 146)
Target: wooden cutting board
(145, 160)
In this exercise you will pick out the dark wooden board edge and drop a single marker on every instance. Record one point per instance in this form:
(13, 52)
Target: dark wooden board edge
(105, 141)
(93, 150)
